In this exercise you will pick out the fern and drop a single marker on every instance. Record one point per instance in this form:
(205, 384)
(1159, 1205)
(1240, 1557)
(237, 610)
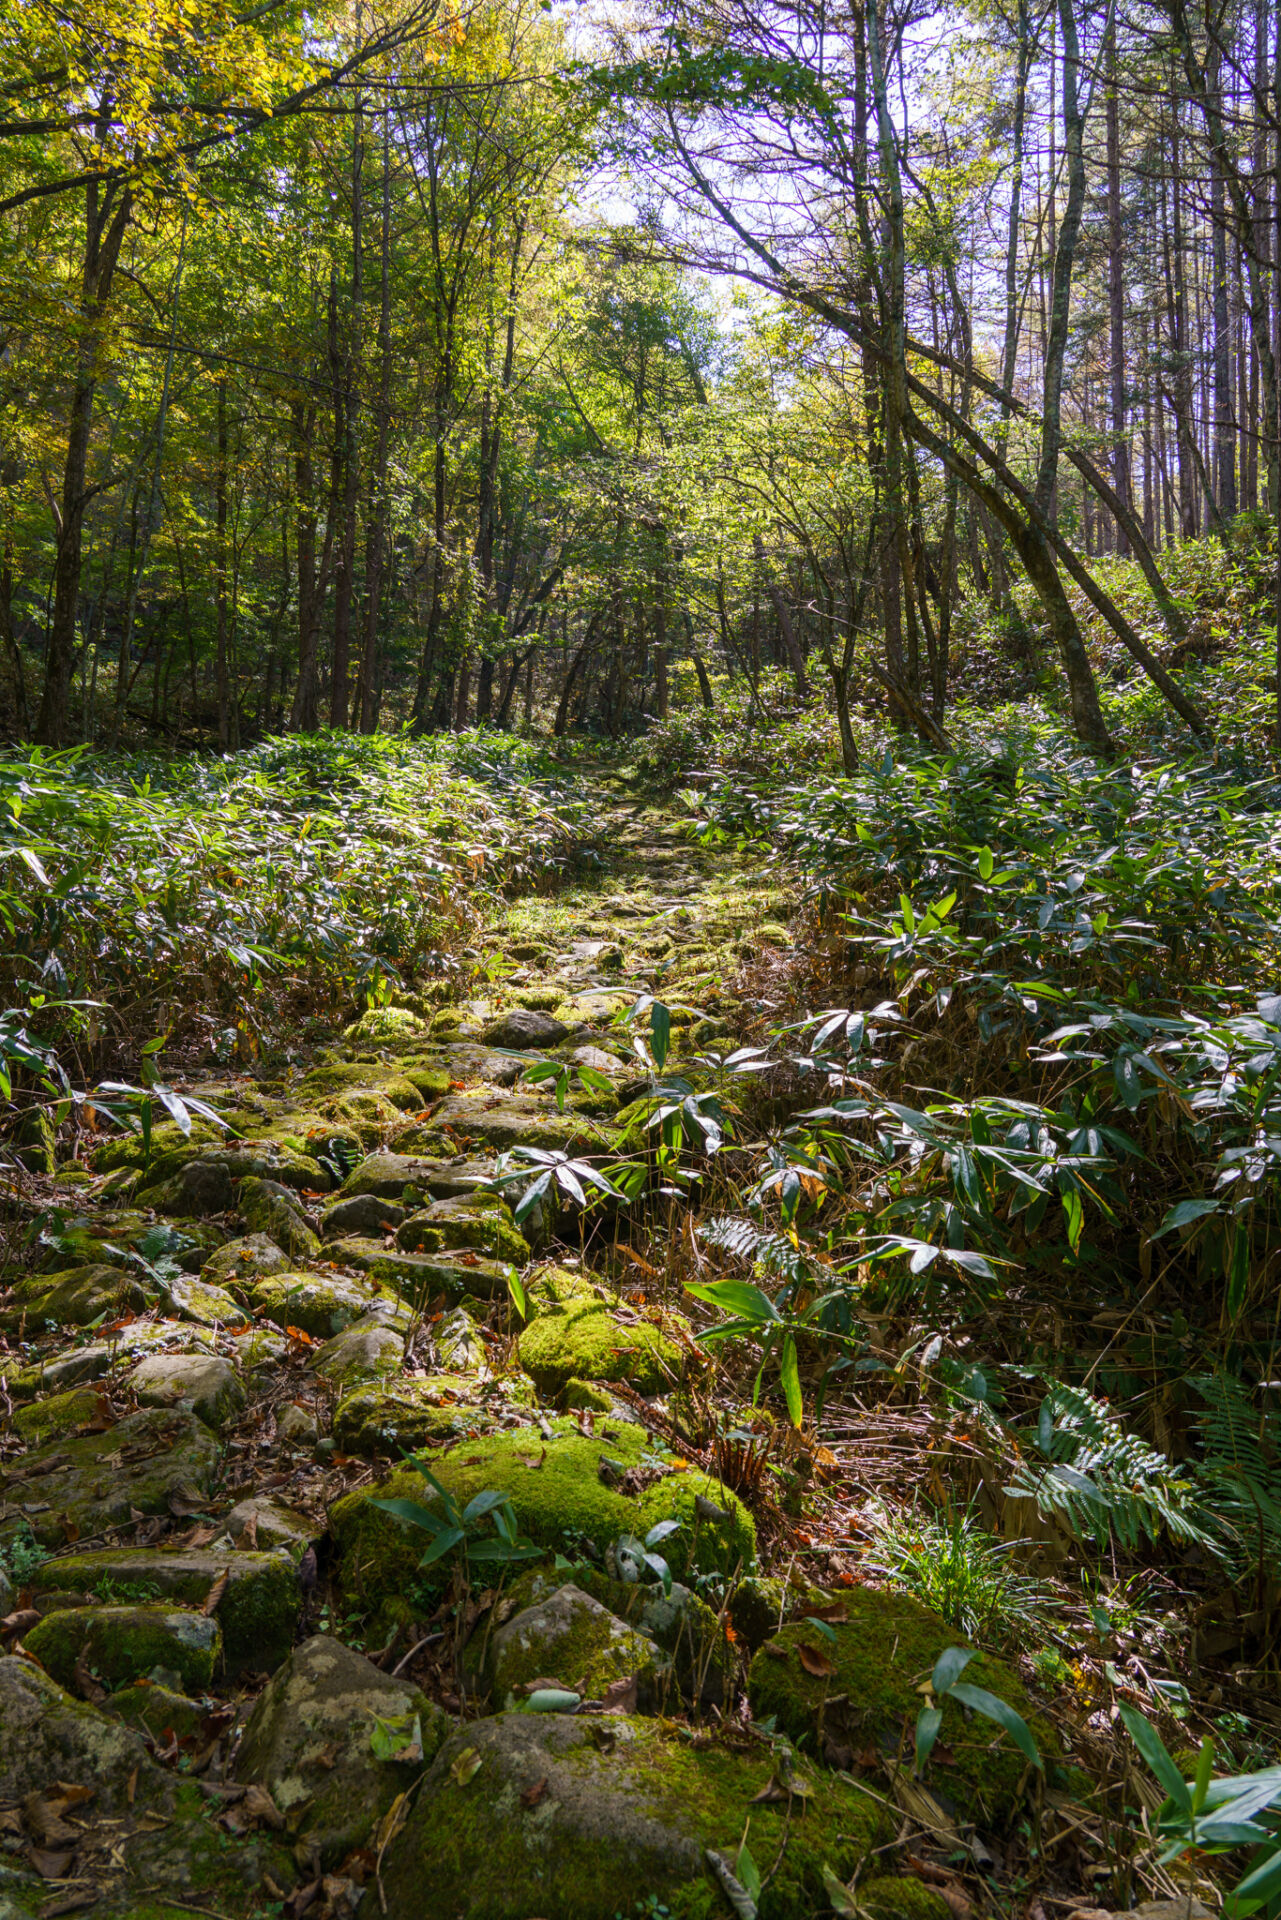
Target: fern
(1240, 1468)
(769, 1254)
(1103, 1482)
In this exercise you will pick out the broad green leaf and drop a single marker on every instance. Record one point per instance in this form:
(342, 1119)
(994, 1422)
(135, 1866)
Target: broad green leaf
(979, 1700)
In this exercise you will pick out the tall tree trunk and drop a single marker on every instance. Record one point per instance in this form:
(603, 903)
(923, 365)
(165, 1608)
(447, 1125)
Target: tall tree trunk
(1064, 262)
(107, 209)
(344, 572)
(220, 566)
(376, 527)
(1116, 288)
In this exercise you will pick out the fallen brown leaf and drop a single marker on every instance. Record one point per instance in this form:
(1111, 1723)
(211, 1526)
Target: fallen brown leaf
(815, 1661)
(86, 1686)
(216, 1592)
(620, 1695)
(50, 1866)
(532, 1795)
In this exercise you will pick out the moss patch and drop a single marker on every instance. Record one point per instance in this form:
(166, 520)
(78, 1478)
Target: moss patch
(558, 1495)
(582, 1340)
(885, 1647)
(61, 1413)
(120, 1644)
(258, 1610)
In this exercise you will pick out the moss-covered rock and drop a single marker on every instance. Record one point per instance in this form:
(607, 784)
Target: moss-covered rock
(525, 1027)
(250, 1257)
(507, 1120)
(48, 1736)
(392, 1175)
(369, 1114)
(399, 1086)
(321, 1304)
(157, 1711)
(886, 1645)
(364, 1215)
(368, 1349)
(559, 1497)
(482, 1221)
(202, 1302)
(627, 1812)
(263, 1523)
(310, 1742)
(258, 1611)
(72, 1299)
(566, 1636)
(94, 1481)
(266, 1207)
(420, 1277)
(386, 1418)
(892, 1896)
(387, 1027)
(201, 1381)
(58, 1414)
(582, 1340)
(121, 1644)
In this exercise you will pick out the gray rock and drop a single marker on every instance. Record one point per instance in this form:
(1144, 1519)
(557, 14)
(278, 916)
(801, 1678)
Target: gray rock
(321, 1306)
(388, 1174)
(201, 1382)
(523, 1027)
(264, 1523)
(96, 1480)
(124, 1644)
(459, 1348)
(366, 1350)
(568, 1637)
(364, 1213)
(296, 1426)
(597, 1059)
(247, 1258)
(49, 1736)
(258, 1610)
(270, 1208)
(72, 1299)
(203, 1303)
(553, 1815)
(309, 1742)
(202, 1187)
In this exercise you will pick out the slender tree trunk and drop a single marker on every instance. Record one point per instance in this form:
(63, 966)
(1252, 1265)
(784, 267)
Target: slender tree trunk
(1116, 289)
(220, 564)
(107, 210)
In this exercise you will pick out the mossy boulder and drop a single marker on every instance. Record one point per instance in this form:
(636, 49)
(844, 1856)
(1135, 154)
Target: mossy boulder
(583, 1340)
(401, 1087)
(202, 1302)
(202, 1382)
(203, 1186)
(60, 1413)
(507, 1120)
(157, 1711)
(881, 1651)
(674, 1618)
(310, 1742)
(363, 1215)
(559, 1497)
(524, 1027)
(96, 1480)
(566, 1636)
(894, 1896)
(49, 1736)
(321, 1304)
(369, 1114)
(121, 1644)
(267, 1207)
(387, 1027)
(74, 1298)
(392, 1417)
(258, 1611)
(421, 1277)
(261, 1522)
(391, 1175)
(368, 1349)
(482, 1221)
(250, 1257)
(627, 1812)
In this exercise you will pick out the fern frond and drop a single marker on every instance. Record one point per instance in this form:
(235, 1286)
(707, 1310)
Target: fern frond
(769, 1254)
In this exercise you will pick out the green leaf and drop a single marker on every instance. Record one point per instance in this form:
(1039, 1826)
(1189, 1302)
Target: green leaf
(660, 1033)
(443, 1543)
(928, 1722)
(949, 1667)
(1183, 1213)
(738, 1297)
(1153, 1748)
(483, 1503)
(979, 1700)
(417, 1516)
(789, 1374)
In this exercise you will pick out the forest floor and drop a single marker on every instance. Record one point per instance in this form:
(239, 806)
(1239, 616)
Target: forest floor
(624, 1655)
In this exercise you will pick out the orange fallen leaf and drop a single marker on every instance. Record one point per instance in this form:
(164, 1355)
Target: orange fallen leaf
(815, 1661)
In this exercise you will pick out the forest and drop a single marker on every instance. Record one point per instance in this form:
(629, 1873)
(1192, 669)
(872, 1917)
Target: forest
(640, 1025)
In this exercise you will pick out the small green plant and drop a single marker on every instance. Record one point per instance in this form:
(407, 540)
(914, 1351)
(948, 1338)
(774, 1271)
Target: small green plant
(635, 1560)
(945, 1683)
(1216, 1816)
(451, 1527)
(22, 1556)
(961, 1573)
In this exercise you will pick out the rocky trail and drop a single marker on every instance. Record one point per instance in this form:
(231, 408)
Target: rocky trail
(569, 1678)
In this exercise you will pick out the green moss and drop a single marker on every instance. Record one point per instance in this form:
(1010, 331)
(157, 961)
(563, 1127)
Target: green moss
(480, 1221)
(582, 1341)
(419, 1277)
(556, 1491)
(901, 1897)
(662, 1803)
(258, 1611)
(322, 1307)
(884, 1648)
(74, 1298)
(61, 1413)
(120, 1644)
(389, 1419)
(386, 1026)
(157, 1710)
